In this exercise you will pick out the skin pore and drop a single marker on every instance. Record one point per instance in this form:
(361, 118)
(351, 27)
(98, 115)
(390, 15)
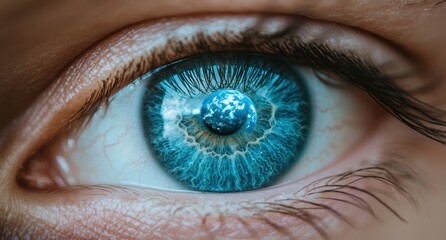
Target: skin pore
(39, 41)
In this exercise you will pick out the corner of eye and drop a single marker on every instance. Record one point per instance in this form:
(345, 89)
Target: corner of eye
(38, 174)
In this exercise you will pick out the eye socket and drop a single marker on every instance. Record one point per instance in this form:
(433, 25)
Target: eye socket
(91, 155)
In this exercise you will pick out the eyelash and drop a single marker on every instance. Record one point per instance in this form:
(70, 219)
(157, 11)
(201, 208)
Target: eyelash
(398, 176)
(343, 67)
(389, 173)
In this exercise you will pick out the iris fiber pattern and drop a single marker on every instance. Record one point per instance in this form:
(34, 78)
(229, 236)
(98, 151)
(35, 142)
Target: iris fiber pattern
(249, 158)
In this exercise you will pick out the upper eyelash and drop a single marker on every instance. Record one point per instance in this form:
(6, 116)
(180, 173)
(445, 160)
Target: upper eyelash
(421, 117)
(348, 67)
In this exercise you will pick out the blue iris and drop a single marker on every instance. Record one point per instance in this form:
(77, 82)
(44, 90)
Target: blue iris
(226, 122)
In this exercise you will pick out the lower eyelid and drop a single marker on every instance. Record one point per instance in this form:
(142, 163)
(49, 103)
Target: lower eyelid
(124, 211)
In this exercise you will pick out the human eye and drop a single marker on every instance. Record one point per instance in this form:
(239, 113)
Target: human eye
(136, 114)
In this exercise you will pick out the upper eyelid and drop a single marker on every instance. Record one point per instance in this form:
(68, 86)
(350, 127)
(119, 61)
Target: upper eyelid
(418, 116)
(64, 98)
(295, 7)
(138, 67)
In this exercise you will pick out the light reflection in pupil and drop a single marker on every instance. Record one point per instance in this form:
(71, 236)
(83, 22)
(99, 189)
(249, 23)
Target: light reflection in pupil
(226, 111)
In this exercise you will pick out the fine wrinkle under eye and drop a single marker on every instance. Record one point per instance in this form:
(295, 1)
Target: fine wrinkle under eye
(361, 189)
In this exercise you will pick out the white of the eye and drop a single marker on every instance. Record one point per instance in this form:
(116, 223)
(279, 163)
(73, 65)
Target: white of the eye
(113, 149)
(339, 122)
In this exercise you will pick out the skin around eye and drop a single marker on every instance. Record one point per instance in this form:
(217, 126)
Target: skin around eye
(356, 115)
(40, 40)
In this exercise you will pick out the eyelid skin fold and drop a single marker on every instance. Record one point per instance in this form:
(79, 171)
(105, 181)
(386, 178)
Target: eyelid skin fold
(126, 56)
(308, 40)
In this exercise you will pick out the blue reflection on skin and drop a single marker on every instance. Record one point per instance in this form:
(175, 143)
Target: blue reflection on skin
(188, 145)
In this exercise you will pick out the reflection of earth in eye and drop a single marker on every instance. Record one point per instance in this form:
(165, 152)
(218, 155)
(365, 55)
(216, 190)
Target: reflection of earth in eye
(226, 111)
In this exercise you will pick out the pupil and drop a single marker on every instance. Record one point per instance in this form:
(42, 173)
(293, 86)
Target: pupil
(226, 111)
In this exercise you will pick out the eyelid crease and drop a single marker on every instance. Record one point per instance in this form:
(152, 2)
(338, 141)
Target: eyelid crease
(423, 118)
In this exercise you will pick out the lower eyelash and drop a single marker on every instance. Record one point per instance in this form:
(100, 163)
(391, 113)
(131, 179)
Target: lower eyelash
(319, 196)
(392, 174)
